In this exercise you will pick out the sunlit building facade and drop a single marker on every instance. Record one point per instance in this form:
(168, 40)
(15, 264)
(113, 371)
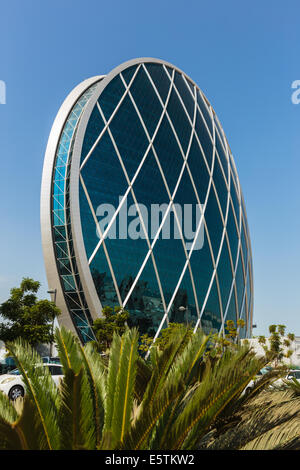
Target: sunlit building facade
(141, 205)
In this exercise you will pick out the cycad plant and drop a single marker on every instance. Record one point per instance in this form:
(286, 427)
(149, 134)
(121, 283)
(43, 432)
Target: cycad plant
(170, 401)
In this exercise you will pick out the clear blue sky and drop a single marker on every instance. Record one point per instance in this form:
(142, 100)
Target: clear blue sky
(243, 55)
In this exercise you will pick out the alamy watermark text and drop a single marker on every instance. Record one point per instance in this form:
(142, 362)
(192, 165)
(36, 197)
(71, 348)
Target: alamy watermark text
(296, 94)
(138, 221)
(2, 92)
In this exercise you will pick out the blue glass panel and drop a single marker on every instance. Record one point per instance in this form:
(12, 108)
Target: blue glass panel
(219, 129)
(110, 96)
(93, 130)
(89, 232)
(62, 250)
(222, 155)
(69, 283)
(232, 234)
(244, 244)
(60, 173)
(64, 266)
(184, 298)
(169, 256)
(189, 211)
(179, 120)
(146, 100)
(248, 286)
(127, 250)
(243, 316)
(214, 222)
(127, 256)
(103, 175)
(73, 300)
(58, 217)
(233, 172)
(225, 274)
(220, 185)
(185, 94)
(211, 318)
(168, 152)
(59, 233)
(58, 201)
(160, 79)
(202, 268)
(199, 170)
(235, 201)
(240, 284)
(59, 186)
(149, 187)
(231, 312)
(205, 140)
(190, 84)
(145, 303)
(205, 113)
(103, 279)
(129, 136)
(128, 73)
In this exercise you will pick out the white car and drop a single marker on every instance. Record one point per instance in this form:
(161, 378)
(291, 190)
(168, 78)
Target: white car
(12, 384)
(291, 374)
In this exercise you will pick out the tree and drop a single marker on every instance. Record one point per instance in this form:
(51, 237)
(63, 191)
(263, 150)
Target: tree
(276, 347)
(166, 334)
(27, 317)
(114, 321)
(217, 342)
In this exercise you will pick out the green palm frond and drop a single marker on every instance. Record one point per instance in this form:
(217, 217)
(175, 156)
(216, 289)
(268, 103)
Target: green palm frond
(71, 411)
(75, 358)
(8, 411)
(122, 377)
(217, 389)
(143, 429)
(19, 430)
(162, 362)
(113, 367)
(185, 369)
(9, 437)
(294, 385)
(95, 376)
(143, 375)
(28, 425)
(68, 349)
(275, 424)
(41, 389)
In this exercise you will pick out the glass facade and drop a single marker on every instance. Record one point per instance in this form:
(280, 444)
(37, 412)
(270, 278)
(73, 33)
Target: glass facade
(161, 210)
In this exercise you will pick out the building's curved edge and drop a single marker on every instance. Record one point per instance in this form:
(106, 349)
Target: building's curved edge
(45, 202)
(90, 293)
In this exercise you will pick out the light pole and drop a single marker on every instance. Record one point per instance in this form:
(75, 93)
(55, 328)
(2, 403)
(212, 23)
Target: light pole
(184, 309)
(52, 292)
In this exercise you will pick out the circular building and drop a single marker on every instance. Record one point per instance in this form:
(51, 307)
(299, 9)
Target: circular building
(141, 205)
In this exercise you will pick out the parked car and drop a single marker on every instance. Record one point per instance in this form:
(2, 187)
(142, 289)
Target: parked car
(294, 373)
(12, 383)
(7, 364)
(50, 359)
(252, 382)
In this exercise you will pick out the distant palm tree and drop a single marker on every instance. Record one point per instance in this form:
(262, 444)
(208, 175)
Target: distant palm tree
(173, 401)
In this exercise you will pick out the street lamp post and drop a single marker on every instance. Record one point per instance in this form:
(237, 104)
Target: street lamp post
(184, 309)
(52, 292)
